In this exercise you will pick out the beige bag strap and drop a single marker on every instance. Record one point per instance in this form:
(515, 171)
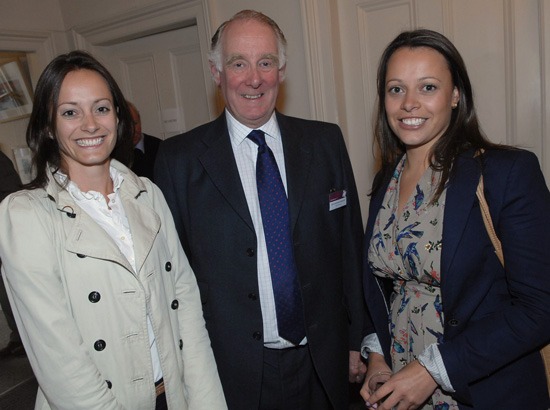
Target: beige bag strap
(486, 215)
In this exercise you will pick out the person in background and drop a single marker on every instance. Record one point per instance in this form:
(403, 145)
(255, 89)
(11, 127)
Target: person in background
(457, 329)
(107, 305)
(9, 183)
(267, 211)
(145, 147)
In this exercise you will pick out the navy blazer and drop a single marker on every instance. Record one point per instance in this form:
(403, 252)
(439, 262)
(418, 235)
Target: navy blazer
(496, 319)
(198, 175)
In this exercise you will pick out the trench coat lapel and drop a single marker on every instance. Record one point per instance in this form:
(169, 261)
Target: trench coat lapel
(86, 237)
(144, 224)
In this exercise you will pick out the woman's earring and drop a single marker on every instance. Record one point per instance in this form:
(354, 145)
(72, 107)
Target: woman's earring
(454, 105)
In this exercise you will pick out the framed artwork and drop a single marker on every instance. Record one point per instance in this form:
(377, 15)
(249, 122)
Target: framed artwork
(23, 163)
(15, 94)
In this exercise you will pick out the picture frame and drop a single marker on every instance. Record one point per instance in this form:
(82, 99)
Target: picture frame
(23, 163)
(15, 93)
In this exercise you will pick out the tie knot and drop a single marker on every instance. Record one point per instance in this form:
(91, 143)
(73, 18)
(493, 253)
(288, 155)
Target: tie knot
(258, 137)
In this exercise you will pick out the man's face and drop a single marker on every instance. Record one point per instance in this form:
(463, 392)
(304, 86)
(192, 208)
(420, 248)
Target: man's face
(250, 75)
(137, 125)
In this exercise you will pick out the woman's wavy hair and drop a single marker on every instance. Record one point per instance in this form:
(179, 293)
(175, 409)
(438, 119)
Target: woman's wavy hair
(463, 132)
(41, 129)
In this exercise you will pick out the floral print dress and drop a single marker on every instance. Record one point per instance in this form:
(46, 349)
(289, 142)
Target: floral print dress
(407, 249)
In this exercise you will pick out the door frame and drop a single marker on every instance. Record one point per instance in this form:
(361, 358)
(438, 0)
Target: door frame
(151, 20)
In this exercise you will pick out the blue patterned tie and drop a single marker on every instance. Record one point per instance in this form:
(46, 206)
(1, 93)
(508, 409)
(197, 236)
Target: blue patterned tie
(276, 221)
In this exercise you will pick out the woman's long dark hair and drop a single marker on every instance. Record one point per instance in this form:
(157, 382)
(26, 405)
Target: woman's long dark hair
(463, 132)
(42, 123)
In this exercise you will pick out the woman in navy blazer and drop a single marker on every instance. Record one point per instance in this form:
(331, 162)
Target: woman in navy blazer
(457, 329)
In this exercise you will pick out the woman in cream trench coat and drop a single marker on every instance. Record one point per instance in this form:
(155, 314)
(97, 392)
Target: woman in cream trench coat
(82, 309)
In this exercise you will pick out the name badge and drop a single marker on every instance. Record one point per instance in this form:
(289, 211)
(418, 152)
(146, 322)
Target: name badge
(337, 200)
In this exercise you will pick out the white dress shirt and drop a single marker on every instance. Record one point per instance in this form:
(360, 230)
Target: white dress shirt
(246, 153)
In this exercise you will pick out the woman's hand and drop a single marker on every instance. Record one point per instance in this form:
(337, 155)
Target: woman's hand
(376, 364)
(406, 390)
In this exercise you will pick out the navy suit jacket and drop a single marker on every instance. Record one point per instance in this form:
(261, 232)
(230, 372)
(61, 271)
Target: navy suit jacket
(198, 175)
(496, 319)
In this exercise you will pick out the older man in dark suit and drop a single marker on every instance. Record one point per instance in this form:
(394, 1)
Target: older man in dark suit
(267, 211)
(9, 182)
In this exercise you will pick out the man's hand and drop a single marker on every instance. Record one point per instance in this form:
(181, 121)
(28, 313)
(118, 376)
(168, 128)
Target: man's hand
(357, 368)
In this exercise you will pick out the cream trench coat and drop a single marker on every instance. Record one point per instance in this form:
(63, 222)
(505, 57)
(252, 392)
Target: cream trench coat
(81, 309)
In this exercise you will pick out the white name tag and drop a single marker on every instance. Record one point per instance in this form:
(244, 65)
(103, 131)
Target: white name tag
(337, 200)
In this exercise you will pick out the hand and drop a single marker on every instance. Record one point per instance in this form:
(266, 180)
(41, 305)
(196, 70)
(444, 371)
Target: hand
(407, 389)
(376, 364)
(357, 368)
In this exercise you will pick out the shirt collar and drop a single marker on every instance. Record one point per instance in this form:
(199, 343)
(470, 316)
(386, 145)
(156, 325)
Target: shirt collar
(238, 132)
(79, 195)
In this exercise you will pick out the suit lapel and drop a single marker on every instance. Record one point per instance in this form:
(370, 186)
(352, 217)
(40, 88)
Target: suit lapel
(298, 154)
(219, 162)
(459, 201)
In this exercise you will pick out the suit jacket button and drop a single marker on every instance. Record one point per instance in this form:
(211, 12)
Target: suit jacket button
(168, 266)
(99, 345)
(250, 252)
(252, 296)
(175, 304)
(453, 322)
(257, 335)
(181, 344)
(94, 297)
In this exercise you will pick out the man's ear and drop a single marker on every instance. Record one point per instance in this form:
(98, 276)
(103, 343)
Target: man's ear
(282, 73)
(215, 73)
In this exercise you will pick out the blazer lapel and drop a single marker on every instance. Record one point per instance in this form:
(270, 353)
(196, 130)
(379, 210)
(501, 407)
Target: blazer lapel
(219, 162)
(298, 155)
(460, 199)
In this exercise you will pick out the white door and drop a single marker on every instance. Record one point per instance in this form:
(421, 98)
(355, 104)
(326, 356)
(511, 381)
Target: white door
(163, 76)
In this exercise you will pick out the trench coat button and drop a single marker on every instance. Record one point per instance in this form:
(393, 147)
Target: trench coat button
(252, 296)
(174, 304)
(168, 266)
(250, 252)
(181, 344)
(99, 345)
(453, 322)
(80, 255)
(94, 297)
(257, 335)
(109, 384)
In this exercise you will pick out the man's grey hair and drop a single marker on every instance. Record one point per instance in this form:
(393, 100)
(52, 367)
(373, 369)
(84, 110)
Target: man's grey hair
(215, 54)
